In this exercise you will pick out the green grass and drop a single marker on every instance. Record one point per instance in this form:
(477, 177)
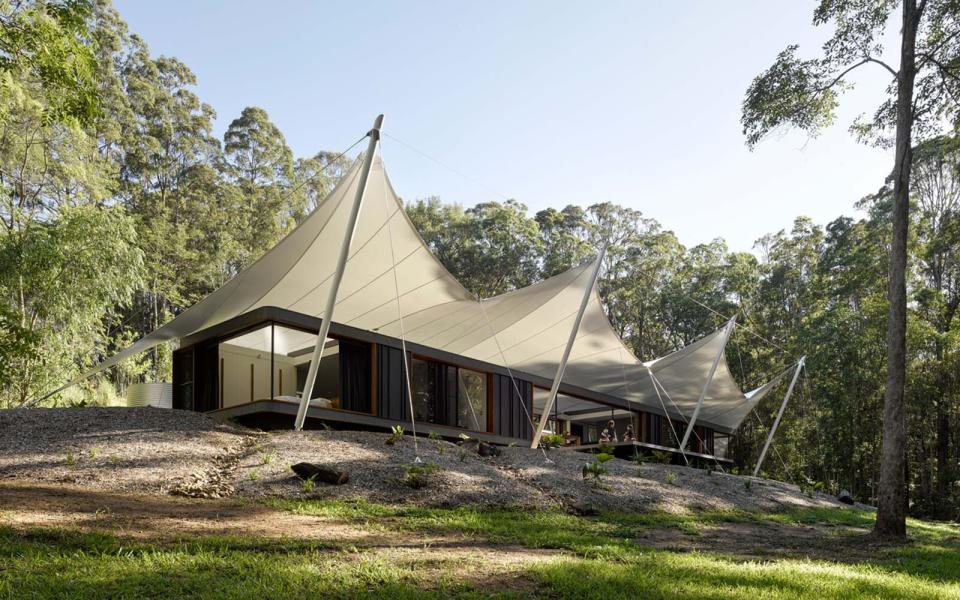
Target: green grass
(599, 557)
(47, 563)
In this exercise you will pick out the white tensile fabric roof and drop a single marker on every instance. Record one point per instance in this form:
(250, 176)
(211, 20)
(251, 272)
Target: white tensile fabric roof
(525, 330)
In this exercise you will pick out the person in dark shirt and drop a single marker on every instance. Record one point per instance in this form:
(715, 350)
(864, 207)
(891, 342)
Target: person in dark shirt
(628, 435)
(609, 434)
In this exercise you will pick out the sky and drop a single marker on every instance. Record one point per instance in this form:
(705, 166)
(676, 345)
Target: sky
(548, 102)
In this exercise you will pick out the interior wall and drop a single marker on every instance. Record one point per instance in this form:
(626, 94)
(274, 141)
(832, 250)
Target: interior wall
(235, 365)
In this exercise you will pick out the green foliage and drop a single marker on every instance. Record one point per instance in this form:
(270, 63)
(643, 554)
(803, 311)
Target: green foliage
(419, 475)
(309, 484)
(595, 468)
(396, 435)
(606, 449)
(68, 276)
(671, 478)
(664, 457)
(552, 440)
(46, 49)
(603, 457)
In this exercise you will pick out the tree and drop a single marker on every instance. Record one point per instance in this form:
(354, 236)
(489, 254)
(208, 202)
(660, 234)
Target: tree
(66, 277)
(936, 190)
(923, 91)
(257, 160)
(48, 44)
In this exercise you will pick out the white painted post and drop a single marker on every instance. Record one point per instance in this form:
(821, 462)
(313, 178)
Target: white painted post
(338, 274)
(776, 422)
(728, 329)
(566, 351)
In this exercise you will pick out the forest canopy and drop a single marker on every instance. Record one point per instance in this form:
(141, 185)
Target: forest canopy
(121, 208)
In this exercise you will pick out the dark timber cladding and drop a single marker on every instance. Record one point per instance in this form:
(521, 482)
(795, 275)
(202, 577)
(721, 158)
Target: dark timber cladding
(392, 401)
(512, 407)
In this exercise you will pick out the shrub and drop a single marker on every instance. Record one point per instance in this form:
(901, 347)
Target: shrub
(747, 484)
(266, 459)
(671, 479)
(605, 449)
(71, 459)
(254, 475)
(552, 440)
(594, 469)
(664, 457)
(603, 457)
(309, 485)
(639, 459)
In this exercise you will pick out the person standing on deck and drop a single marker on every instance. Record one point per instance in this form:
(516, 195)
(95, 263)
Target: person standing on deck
(609, 435)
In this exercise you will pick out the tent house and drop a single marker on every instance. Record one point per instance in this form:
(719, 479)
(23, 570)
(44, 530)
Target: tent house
(480, 367)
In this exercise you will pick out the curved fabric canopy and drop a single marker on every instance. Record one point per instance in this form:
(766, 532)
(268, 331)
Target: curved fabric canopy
(525, 330)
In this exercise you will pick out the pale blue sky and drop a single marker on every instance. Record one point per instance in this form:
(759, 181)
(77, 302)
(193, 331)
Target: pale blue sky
(548, 102)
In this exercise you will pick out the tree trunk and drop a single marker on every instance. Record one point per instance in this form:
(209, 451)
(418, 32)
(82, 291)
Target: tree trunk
(892, 494)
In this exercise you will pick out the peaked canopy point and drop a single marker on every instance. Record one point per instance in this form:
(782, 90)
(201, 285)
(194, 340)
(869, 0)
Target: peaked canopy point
(524, 330)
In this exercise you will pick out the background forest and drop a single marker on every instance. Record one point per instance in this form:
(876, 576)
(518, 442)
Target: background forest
(121, 208)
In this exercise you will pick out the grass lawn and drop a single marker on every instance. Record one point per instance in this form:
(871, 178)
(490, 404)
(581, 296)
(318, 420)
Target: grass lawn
(606, 556)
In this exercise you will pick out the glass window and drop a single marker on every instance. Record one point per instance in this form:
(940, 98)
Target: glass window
(471, 399)
(423, 384)
(448, 395)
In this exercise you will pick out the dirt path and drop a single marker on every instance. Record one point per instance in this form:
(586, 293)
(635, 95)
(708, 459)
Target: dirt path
(168, 519)
(152, 517)
(155, 518)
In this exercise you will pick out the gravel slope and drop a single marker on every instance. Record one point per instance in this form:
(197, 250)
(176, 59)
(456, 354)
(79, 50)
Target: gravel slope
(178, 452)
(124, 449)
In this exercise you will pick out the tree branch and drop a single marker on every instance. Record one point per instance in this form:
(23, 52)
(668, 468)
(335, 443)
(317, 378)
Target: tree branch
(943, 70)
(884, 65)
(867, 59)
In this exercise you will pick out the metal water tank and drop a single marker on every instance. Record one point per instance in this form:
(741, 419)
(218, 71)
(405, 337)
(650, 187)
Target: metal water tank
(158, 395)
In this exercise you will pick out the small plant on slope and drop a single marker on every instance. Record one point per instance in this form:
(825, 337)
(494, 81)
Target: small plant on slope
(671, 479)
(439, 440)
(595, 468)
(418, 476)
(663, 457)
(396, 436)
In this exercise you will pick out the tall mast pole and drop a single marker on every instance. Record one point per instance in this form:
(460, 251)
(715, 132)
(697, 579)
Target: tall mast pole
(566, 351)
(776, 422)
(374, 135)
(728, 328)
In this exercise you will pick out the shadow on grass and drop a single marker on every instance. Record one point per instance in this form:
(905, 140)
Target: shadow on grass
(51, 563)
